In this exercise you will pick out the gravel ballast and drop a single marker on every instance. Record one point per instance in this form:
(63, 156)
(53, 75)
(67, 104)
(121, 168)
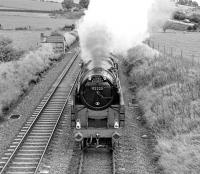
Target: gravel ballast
(10, 127)
(135, 154)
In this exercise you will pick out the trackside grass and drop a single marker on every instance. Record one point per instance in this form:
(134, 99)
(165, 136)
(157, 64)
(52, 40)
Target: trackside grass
(168, 90)
(17, 74)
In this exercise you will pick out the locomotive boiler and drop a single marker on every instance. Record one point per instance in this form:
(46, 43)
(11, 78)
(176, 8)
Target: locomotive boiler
(98, 106)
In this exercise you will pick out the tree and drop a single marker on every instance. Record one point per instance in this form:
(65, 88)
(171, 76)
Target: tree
(67, 4)
(195, 4)
(84, 3)
(7, 52)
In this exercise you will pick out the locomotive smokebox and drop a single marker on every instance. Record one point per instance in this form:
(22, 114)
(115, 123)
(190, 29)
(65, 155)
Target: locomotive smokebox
(97, 90)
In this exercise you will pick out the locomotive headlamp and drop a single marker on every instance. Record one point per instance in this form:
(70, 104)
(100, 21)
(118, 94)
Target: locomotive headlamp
(89, 78)
(78, 124)
(116, 124)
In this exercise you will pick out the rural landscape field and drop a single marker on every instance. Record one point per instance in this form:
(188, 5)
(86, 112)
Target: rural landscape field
(30, 4)
(38, 22)
(151, 71)
(178, 41)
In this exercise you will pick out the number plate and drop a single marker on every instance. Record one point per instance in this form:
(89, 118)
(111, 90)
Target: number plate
(97, 88)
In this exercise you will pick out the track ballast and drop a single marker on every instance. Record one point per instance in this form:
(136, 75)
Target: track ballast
(28, 148)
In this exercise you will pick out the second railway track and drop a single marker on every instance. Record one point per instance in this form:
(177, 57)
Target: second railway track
(28, 148)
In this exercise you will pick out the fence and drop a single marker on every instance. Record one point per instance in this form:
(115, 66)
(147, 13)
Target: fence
(173, 52)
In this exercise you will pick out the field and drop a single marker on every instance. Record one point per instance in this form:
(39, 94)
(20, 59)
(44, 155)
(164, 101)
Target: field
(23, 40)
(30, 4)
(38, 22)
(188, 42)
(10, 20)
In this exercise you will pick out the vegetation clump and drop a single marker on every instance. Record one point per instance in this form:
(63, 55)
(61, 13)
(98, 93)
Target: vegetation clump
(7, 52)
(16, 76)
(69, 4)
(168, 90)
(188, 2)
(195, 18)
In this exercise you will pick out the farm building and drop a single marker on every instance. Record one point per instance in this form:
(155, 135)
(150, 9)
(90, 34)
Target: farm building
(56, 40)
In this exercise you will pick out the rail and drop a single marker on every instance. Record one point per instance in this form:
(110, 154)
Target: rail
(45, 102)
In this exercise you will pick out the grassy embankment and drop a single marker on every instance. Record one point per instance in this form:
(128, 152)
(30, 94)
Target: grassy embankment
(168, 90)
(18, 71)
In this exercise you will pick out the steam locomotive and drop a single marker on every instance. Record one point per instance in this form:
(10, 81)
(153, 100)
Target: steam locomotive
(97, 112)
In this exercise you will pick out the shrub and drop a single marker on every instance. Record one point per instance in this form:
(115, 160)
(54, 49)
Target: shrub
(195, 18)
(179, 15)
(84, 3)
(67, 4)
(7, 52)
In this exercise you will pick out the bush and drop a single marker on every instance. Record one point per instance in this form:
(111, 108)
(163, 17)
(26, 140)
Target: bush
(188, 2)
(179, 16)
(67, 4)
(192, 28)
(7, 52)
(195, 18)
(84, 3)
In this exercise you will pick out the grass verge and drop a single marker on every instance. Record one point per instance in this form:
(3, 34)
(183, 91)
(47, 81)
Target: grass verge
(168, 90)
(17, 76)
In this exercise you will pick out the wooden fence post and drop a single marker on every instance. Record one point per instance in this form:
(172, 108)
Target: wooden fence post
(171, 52)
(164, 51)
(181, 53)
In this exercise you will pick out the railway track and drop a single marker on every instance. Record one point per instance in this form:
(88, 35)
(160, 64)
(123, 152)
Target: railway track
(26, 152)
(97, 161)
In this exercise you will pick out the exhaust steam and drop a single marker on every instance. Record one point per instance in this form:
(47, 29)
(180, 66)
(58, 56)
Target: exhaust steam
(117, 26)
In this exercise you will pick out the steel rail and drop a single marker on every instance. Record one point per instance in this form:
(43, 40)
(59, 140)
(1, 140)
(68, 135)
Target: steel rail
(55, 86)
(113, 163)
(59, 117)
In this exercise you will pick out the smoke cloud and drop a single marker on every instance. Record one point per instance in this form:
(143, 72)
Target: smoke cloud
(117, 26)
(160, 12)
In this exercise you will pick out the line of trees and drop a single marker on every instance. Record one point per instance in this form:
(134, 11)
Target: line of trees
(68, 4)
(188, 2)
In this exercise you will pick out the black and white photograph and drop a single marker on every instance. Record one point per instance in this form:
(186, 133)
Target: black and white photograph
(99, 86)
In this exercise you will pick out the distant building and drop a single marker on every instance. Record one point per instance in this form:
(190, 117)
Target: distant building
(56, 40)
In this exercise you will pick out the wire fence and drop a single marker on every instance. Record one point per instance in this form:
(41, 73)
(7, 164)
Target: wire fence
(173, 52)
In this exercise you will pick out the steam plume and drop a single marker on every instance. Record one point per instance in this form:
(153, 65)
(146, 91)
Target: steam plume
(118, 25)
